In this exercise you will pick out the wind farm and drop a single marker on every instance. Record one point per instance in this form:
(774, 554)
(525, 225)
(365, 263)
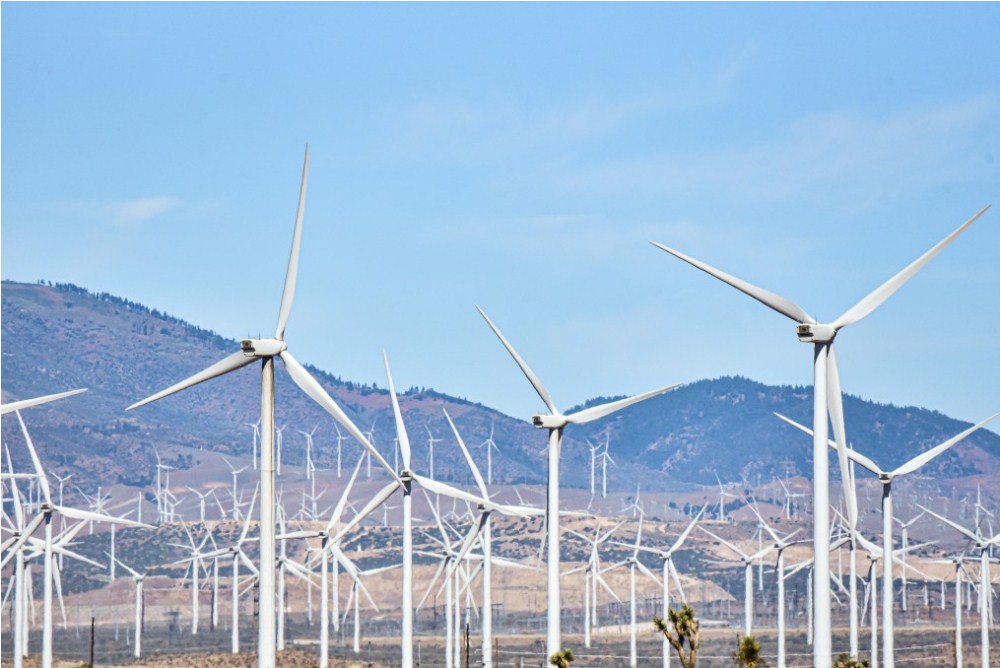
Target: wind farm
(229, 218)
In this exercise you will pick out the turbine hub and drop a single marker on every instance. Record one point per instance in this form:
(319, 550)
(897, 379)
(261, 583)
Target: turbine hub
(262, 347)
(549, 421)
(815, 333)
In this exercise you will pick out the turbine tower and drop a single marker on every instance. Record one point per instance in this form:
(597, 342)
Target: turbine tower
(554, 421)
(827, 407)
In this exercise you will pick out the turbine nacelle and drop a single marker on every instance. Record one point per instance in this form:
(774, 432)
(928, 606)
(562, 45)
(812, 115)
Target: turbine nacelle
(549, 421)
(815, 333)
(262, 347)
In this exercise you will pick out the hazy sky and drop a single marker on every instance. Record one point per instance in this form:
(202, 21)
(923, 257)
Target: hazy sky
(519, 156)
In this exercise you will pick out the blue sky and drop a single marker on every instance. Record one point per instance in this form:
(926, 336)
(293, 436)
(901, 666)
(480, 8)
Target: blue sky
(519, 156)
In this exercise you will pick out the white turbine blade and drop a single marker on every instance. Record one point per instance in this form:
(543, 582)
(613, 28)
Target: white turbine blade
(448, 490)
(962, 530)
(57, 581)
(404, 439)
(59, 549)
(28, 403)
(677, 580)
(225, 365)
(648, 573)
(342, 503)
(835, 406)
(529, 374)
(22, 539)
(887, 289)
(375, 502)
(77, 514)
(311, 386)
(853, 455)
(468, 458)
(470, 539)
(604, 584)
(246, 562)
(596, 412)
(292, 535)
(43, 481)
(726, 543)
(769, 299)
(925, 457)
(248, 515)
(288, 293)
(430, 587)
(684, 534)
(120, 563)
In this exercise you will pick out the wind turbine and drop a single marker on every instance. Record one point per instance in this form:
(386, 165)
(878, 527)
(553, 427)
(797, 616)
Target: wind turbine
(328, 547)
(48, 509)
(140, 608)
(748, 560)
(668, 570)
(555, 422)
(310, 469)
(886, 478)
(827, 404)
(633, 562)
(592, 576)
(403, 481)
(985, 603)
(722, 498)
(265, 351)
(256, 437)
(490, 446)
(605, 460)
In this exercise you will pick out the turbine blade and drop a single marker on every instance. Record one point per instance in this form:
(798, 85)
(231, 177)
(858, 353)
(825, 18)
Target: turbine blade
(596, 412)
(311, 387)
(404, 439)
(887, 289)
(430, 587)
(648, 573)
(835, 406)
(248, 514)
(468, 458)
(27, 403)
(225, 365)
(853, 455)
(77, 514)
(342, 503)
(469, 541)
(375, 502)
(769, 299)
(288, 293)
(962, 530)
(925, 457)
(684, 534)
(528, 373)
(43, 481)
(22, 539)
(725, 542)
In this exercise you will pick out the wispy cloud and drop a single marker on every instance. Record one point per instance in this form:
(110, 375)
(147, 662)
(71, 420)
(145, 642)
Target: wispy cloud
(906, 150)
(140, 210)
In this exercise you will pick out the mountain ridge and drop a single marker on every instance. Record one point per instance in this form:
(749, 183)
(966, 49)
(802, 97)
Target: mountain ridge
(59, 337)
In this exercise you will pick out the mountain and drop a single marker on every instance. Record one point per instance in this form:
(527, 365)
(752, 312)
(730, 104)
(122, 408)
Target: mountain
(60, 337)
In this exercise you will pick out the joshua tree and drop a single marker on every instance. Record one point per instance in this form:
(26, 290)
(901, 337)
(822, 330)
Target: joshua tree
(748, 654)
(562, 658)
(684, 632)
(844, 661)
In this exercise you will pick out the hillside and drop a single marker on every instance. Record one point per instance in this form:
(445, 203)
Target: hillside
(61, 337)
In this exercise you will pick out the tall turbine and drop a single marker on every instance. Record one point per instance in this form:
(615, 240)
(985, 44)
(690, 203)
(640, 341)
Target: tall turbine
(266, 350)
(555, 422)
(827, 405)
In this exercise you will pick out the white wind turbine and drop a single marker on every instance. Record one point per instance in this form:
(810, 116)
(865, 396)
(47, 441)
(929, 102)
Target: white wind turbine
(265, 351)
(201, 501)
(485, 533)
(431, 440)
(555, 422)
(605, 460)
(140, 608)
(327, 547)
(48, 509)
(722, 498)
(593, 463)
(669, 570)
(310, 468)
(827, 405)
(592, 577)
(886, 478)
(490, 446)
(985, 590)
(403, 481)
(633, 562)
(904, 542)
(234, 492)
(748, 560)
(340, 439)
